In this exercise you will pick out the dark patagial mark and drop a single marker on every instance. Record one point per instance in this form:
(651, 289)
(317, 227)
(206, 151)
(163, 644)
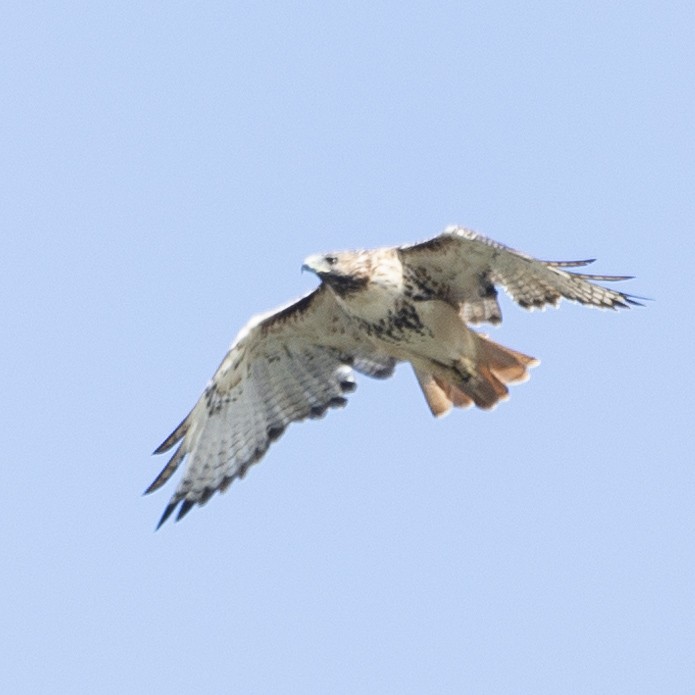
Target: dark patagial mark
(298, 307)
(435, 244)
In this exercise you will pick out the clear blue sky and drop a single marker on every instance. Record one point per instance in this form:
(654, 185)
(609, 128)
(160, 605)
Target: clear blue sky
(165, 169)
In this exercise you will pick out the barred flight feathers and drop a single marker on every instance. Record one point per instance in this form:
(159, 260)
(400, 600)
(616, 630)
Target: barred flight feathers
(467, 266)
(284, 367)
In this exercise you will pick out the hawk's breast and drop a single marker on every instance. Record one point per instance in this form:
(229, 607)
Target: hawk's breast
(400, 323)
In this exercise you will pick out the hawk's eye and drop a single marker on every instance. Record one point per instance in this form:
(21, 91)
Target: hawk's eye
(331, 260)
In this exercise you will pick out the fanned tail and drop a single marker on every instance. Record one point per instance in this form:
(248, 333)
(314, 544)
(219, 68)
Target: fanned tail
(481, 381)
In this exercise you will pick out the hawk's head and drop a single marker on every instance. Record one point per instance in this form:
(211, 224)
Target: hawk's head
(344, 272)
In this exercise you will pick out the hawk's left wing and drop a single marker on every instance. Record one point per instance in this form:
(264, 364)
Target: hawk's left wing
(463, 267)
(288, 365)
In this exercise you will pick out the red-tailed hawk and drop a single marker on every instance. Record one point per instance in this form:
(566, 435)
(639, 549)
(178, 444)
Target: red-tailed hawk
(372, 310)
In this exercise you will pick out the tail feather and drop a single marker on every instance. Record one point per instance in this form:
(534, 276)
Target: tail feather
(509, 366)
(481, 380)
(435, 392)
(457, 397)
(489, 378)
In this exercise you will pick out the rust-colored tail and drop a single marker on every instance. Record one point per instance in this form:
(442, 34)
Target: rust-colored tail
(480, 380)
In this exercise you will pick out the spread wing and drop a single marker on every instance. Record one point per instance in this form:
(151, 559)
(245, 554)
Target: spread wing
(285, 366)
(464, 267)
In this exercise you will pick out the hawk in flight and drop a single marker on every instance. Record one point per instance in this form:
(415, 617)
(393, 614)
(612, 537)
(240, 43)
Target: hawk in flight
(372, 310)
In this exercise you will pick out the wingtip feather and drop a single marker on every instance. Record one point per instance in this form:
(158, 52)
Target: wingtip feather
(186, 507)
(178, 434)
(569, 264)
(168, 470)
(167, 513)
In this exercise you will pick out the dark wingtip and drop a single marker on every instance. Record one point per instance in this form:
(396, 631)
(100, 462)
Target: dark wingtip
(168, 470)
(154, 485)
(166, 444)
(602, 278)
(569, 264)
(167, 513)
(185, 508)
(631, 300)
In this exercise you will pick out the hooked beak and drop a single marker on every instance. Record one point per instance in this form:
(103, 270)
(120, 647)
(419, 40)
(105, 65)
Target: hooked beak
(313, 264)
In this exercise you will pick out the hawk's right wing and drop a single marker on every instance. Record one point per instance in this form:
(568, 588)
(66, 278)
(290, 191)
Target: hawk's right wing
(285, 366)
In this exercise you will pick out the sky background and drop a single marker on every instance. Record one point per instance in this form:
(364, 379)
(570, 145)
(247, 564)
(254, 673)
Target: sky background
(165, 168)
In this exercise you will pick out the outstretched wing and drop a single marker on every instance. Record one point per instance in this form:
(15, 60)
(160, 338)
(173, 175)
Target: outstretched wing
(287, 365)
(464, 268)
